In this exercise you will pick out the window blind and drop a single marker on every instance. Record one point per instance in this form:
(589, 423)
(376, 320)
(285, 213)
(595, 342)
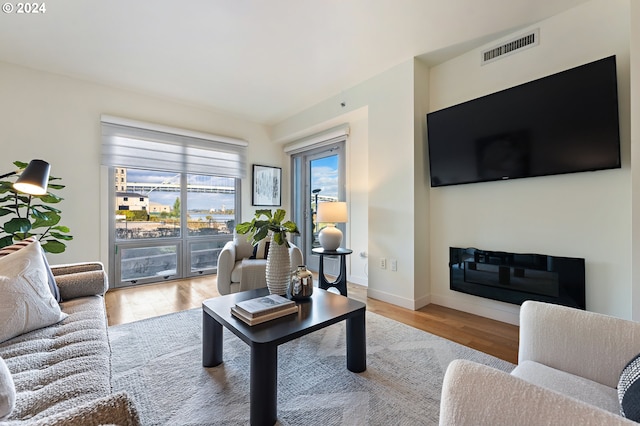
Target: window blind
(129, 143)
(328, 137)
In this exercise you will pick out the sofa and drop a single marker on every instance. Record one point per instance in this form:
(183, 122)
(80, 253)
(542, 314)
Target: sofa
(242, 266)
(569, 368)
(62, 372)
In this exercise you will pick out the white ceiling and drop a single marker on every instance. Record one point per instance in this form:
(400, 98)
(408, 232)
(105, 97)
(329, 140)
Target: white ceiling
(260, 59)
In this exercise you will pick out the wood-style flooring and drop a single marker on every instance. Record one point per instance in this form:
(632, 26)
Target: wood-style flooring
(486, 335)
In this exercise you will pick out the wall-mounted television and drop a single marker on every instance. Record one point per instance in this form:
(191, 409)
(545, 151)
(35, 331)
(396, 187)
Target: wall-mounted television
(563, 123)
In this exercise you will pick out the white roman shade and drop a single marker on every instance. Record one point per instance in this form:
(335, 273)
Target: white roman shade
(129, 143)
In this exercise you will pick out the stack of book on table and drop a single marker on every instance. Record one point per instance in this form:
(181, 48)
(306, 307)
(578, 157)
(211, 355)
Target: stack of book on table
(265, 308)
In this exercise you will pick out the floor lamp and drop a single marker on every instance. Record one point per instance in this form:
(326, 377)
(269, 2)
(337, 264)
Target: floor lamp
(34, 179)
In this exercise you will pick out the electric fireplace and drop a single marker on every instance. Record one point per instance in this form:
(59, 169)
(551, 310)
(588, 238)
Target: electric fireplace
(516, 277)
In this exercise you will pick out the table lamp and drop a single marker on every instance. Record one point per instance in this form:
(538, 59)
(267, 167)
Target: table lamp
(34, 178)
(331, 213)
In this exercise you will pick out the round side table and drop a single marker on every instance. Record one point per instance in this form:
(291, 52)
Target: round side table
(341, 282)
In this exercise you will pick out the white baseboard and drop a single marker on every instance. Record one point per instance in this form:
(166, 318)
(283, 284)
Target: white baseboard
(363, 281)
(398, 301)
(508, 314)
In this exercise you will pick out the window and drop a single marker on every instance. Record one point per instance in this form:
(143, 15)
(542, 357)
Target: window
(186, 202)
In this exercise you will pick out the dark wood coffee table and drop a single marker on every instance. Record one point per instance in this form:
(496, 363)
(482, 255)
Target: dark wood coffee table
(323, 309)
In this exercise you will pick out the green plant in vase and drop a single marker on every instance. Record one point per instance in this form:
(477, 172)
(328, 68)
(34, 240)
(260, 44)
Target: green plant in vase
(259, 228)
(278, 269)
(32, 215)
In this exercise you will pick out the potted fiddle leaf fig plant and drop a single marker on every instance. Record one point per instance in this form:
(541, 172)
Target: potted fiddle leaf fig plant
(278, 270)
(259, 228)
(32, 215)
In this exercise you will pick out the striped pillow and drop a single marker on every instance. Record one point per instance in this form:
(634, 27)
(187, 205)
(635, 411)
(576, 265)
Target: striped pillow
(5, 251)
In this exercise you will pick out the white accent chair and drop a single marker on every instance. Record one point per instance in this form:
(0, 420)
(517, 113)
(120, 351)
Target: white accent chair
(238, 272)
(569, 365)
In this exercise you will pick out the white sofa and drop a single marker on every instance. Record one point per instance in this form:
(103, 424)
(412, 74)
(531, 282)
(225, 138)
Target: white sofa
(238, 272)
(62, 372)
(569, 365)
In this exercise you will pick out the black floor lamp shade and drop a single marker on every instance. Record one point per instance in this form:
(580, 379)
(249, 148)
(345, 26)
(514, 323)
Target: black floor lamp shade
(34, 179)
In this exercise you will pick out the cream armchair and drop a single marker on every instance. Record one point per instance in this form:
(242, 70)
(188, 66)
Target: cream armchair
(238, 272)
(569, 365)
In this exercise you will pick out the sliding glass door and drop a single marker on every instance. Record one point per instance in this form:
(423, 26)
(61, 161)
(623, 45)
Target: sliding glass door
(318, 176)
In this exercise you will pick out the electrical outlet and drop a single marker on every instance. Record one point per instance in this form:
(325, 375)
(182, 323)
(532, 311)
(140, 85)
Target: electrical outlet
(394, 264)
(383, 263)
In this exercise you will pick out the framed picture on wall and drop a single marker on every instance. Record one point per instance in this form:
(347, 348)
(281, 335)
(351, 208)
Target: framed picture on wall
(267, 186)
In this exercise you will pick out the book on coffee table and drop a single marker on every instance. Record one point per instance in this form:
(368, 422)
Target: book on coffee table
(265, 317)
(264, 305)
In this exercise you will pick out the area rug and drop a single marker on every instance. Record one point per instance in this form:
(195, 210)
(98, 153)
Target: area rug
(159, 363)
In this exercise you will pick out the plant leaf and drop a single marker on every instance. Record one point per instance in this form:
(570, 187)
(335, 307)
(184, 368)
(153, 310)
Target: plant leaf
(291, 227)
(261, 233)
(243, 228)
(279, 216)
(17, 224)
(4, 211)
(51, 209)
(46, 219)
(265, 212)
(53, 246)
(55, 186)
(49, 198)
(61, 236)
(61, 228)
(6, 241)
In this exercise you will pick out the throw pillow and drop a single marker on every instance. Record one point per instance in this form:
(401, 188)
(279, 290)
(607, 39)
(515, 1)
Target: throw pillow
(26, 303)
(7, 391)
(261, 250)
(5, 251)
(629, 390)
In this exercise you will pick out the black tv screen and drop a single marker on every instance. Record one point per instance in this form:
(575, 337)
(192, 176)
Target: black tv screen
(563, 123)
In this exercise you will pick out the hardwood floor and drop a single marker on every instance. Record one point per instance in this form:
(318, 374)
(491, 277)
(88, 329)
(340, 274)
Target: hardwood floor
(486, 335)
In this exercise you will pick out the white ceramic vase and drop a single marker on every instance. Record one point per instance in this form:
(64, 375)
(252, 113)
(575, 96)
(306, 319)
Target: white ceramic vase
(278, 271)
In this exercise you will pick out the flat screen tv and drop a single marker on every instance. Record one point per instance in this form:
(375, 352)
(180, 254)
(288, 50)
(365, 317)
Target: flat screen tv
(563, 123)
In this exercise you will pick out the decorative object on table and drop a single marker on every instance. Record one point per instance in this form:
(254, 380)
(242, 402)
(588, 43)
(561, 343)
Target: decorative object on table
(278, 268)
(267, 186)
(331, 213)
(264, 305)
(301, 283)
(27, 203)
(263, 309)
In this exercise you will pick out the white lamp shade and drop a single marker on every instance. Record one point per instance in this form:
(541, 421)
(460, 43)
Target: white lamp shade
(332, 212)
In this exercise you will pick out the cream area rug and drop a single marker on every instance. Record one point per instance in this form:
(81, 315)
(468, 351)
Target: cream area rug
(159, 363)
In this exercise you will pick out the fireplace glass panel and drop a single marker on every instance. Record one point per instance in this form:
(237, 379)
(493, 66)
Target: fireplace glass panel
(515, 277)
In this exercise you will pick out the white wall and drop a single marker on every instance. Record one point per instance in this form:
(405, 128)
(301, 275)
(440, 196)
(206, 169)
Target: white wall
(635, 154)
(584, 215)
(422, 217)
(357, 153)
(57, 119)
(386, 174)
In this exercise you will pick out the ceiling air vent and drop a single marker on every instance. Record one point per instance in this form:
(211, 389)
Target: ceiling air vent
(512, 46)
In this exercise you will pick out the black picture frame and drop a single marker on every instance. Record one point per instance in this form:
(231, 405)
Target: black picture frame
(267, 186)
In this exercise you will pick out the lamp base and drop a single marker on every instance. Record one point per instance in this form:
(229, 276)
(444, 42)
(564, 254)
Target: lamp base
(330, 237)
